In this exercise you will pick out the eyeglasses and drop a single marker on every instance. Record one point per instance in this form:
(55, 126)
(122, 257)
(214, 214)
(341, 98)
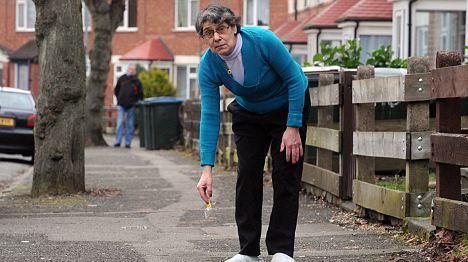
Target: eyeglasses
(209, 33)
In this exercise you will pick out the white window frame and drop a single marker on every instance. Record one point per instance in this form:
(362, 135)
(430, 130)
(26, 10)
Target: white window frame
(399, 35)
(23, 28)
(189, 28)
(125, 27)
(25, 15)
(190, 76)
(255, 15)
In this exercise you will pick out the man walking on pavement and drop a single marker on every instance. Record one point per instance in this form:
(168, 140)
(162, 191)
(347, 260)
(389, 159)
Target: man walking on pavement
(128, 91)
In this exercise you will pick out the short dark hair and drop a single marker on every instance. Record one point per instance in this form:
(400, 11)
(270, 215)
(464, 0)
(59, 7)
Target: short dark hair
(217, 14)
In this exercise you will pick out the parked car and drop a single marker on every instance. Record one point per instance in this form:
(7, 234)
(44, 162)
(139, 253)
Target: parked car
(17, 116)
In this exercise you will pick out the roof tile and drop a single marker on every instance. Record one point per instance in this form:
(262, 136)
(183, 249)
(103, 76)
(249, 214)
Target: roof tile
(292, 31)
(151, 50)
(369, 10)
(327, 18)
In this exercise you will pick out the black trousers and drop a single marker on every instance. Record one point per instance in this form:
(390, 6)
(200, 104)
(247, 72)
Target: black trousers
(254, 134)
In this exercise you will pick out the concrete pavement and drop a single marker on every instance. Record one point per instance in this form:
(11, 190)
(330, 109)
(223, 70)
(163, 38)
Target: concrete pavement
(148, 209)
(11, 167)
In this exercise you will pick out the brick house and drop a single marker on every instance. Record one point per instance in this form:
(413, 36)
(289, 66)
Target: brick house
(368, 21)
(292, 33)
(334, 22)
(162, 31)
(412, 28)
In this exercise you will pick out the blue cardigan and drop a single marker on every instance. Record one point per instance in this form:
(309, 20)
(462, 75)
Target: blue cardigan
(272, 79)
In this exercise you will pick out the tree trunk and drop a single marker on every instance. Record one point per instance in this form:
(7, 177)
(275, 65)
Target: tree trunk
(59, 133)
(106, 18)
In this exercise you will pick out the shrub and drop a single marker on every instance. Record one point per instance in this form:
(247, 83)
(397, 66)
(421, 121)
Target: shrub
(466, 57)
(328, 55)
(350, 54)
(382, 57)
(156, 83)
(346, 55)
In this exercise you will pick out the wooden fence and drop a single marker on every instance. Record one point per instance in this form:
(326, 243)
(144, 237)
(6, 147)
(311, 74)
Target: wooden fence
(328, 138)
(358, 142)
(412, 145)
(450, 143)
(226, 154)
(191, 124)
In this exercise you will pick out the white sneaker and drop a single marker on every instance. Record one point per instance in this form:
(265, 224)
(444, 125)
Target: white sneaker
(280, 257)
(244, 258)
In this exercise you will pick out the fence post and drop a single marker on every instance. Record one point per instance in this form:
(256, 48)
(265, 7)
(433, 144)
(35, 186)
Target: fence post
(346, 127)
(417, 120)
(448, 120)
(365, 121)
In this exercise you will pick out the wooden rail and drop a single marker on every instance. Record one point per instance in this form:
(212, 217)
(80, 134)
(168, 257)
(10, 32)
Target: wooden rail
(449, 145)
(415, 87)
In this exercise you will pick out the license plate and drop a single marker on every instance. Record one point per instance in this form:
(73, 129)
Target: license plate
(7, 121)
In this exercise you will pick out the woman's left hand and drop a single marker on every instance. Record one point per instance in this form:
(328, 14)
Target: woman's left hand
(292, 142)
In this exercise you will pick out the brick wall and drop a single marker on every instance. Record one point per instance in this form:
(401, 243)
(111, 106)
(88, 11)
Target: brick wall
(157, 18)
(10, 78)
(9, 38)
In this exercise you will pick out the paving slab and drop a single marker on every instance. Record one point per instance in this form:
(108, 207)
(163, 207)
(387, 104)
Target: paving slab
(149, 210)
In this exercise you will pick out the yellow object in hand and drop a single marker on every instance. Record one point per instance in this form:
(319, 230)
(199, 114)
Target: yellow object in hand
(208, 205)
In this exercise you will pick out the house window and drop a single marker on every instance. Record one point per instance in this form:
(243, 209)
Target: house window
(186, 13)
(187, 82)
(22, 76)
(369, 43)
(257, 12)
(129, 20)
(25, 15)
(439, 30)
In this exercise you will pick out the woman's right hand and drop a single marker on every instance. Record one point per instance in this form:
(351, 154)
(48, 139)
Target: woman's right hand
(204, 185)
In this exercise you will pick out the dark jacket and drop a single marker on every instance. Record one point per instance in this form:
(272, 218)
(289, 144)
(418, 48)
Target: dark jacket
(128, 91)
